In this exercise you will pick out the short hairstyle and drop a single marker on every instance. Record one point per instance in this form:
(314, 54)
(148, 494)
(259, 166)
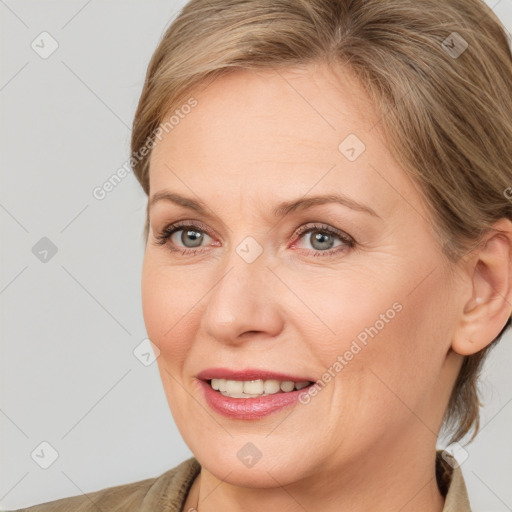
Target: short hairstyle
(438, 73)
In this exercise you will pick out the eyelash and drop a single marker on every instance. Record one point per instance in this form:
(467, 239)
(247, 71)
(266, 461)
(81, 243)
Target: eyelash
(163, 237)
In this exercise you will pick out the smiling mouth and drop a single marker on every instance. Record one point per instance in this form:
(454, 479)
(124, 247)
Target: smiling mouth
(255, 388)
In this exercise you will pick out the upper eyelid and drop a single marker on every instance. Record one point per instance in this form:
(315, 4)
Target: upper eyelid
(182, 224)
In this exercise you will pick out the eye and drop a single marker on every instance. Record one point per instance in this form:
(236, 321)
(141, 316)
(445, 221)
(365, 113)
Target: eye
(183, 235)
(322, 239)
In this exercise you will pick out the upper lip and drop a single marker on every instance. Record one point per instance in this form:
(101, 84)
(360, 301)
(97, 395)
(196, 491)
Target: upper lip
(248, 374)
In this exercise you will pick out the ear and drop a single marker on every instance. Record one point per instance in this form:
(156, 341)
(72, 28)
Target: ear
(487, 309)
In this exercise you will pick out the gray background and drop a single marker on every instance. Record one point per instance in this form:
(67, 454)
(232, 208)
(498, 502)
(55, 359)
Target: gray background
(70, 324)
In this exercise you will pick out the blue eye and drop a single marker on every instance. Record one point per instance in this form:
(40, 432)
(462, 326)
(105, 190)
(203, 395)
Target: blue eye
(194, 236)
(322, 239)
(191, 237)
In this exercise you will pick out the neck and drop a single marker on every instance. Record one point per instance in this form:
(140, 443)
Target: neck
(405, 482)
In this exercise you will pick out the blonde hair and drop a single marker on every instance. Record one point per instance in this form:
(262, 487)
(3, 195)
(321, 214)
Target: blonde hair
(438, 72)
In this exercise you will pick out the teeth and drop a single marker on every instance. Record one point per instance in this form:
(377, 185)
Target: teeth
(234, 386)
(271, 386)
(287, 385)
(217, 383)
(251, 388)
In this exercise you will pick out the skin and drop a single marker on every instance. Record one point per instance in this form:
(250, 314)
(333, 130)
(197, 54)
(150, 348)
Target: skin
(367, 441)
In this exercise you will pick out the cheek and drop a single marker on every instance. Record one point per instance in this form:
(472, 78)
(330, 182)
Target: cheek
(380, 334)
(343, 309)
(155, 302)
(403, 337)
(167, 303)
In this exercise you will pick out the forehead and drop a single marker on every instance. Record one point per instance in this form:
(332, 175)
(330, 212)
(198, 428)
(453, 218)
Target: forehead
(288, 129)
(303, 105)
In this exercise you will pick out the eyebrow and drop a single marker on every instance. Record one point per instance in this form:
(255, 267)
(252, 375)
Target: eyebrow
(280, 210)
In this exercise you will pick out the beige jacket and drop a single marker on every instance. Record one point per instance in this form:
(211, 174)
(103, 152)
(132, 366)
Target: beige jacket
(167, 493)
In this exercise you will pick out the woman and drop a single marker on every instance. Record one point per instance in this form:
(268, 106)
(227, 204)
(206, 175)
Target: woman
(328, 248)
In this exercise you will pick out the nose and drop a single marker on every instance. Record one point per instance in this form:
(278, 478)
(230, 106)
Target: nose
(244, 303)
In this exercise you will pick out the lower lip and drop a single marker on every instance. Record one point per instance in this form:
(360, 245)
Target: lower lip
(248, 408)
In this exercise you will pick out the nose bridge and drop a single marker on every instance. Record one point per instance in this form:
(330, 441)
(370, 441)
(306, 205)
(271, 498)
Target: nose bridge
(243, 298)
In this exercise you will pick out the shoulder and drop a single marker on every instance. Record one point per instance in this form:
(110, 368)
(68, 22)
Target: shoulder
(150, 495)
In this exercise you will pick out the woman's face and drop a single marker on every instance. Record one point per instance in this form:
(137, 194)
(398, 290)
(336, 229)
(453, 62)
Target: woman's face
(362, 302)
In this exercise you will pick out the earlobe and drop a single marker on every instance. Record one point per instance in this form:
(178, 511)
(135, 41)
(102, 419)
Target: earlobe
(468, 346)
(486, 312)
